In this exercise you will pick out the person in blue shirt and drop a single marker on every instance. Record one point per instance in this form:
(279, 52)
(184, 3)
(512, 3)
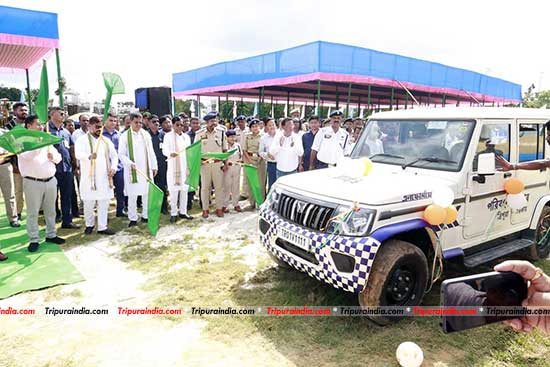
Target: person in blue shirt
(64, 169)
(307, 142)
(111, 133)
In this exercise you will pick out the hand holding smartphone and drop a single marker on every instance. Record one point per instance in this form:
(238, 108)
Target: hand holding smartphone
(487, 290)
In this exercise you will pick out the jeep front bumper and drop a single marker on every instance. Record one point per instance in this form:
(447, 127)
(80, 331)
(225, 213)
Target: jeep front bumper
(341, 261)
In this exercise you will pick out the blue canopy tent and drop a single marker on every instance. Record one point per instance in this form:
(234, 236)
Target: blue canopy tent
(331, 72)
(26, 37)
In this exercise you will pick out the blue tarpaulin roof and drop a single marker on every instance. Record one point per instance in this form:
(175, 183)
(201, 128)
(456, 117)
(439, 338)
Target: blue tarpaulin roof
(26, 36)
(297, 70)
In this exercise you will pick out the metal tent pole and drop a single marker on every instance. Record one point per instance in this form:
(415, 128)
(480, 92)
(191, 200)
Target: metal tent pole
(349, 96)
(29, 99)
(318, 96)
(368, 101)
(261, 106)
(60, 86)
(391, 100)
(337, 98)
(287, 103)
(198, 106)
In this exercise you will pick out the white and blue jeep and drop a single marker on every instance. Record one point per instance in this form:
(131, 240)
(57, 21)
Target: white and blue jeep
(385, 250)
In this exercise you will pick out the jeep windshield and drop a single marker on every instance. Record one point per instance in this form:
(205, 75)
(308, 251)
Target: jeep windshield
(428, 144)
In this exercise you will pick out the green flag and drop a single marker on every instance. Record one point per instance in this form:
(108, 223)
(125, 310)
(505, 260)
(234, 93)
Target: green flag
(19, 140)
(220, 156)
(193, 154)
(43, 97)
(251, 173)
(114, 85)
(154, 206)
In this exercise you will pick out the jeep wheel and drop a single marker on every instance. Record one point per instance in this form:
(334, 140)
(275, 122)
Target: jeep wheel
(541, 249)
(398, 277)
(278, 261)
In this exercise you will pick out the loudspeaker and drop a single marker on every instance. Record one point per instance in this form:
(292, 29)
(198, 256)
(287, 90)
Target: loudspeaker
(157, 100)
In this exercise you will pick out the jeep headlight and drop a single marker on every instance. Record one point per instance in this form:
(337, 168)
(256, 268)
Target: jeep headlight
(349, 222)
(272, 197)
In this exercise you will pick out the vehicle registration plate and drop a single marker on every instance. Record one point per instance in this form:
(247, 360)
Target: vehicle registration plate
(294, 238)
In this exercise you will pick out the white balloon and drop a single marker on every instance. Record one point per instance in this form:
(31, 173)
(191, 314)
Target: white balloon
(409, 354)
(516, 201)
(443, 196)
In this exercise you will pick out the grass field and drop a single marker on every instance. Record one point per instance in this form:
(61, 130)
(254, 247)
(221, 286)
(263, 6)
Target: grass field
(219, 263)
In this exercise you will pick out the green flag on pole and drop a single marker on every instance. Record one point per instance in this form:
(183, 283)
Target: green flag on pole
(19, 140)
(251, 173)
(193, 154)
(220, 156)
(114, 85)
(154, 206)
(43, 97)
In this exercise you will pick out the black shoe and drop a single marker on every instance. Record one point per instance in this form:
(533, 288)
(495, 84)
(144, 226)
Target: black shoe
(165, 212)
(173, 219)
(144, 220)
(19, 216)
(121, 215)
(33, 246)
(15, 224)
(89, 230)
(132, 223)
(107, 232)
(56, 239)
(186, 216)
(70, 226)
(76, 215)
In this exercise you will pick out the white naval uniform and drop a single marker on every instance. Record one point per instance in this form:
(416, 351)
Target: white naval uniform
(330, 145)
(174, 143)
(143, 153)
(103, 192)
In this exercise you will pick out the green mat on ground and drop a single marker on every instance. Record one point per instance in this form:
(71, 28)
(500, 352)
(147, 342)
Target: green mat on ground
(25, 271)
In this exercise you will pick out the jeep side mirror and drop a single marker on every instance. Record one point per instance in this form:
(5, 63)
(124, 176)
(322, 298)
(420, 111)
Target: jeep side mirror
(485, 166)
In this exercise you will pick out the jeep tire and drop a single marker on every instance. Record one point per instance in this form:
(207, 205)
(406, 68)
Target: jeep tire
(541, 250)
(399, 277)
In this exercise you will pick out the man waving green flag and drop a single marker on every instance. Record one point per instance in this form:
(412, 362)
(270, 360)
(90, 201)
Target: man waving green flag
(193, 155)
(43, 97)
(114, 85)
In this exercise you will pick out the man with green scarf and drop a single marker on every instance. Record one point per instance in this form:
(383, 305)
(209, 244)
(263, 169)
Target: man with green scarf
(135, 150)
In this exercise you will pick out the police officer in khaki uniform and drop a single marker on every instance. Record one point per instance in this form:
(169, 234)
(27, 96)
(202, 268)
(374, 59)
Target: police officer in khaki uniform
(251, 150)
(213, 140)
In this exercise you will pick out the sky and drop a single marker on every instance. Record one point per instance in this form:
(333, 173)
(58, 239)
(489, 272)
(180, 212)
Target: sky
(146, 41)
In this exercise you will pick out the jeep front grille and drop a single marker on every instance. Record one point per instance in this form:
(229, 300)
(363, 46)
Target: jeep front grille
(309, 215)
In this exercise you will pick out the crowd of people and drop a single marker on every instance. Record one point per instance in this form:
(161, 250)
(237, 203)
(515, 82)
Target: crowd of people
(101, 161)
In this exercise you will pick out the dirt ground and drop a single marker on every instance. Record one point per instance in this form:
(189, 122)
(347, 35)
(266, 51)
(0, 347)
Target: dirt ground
(219, 262)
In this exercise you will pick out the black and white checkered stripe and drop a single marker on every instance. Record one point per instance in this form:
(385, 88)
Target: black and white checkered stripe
(363, 249)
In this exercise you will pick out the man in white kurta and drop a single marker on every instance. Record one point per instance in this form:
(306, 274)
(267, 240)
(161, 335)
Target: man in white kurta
(96, 179)
(138, 162)
(173, 147)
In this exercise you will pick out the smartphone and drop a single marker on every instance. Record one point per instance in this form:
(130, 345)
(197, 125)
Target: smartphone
(494, 289)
